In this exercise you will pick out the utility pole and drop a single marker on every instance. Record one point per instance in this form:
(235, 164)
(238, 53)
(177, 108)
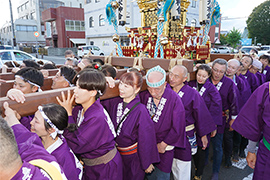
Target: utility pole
(12, 26)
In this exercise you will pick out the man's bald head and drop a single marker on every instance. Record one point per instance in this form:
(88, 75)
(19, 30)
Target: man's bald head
(181, 69)
(235, 62)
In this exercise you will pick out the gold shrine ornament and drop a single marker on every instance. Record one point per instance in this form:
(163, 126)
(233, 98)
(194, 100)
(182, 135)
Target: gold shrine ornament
(115, 38)
(115, 4)
(164, 41)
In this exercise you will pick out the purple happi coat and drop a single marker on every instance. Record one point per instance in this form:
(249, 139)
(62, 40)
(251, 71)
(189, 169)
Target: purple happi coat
(93, 138)
(266, 72)
(252, 80)
(228, 92)
(253, 121)
(261, 77)
(169, 123)
(244, 89)
(26, 121)
(196, 113)
(211, 98)
(72, 167)
(137, 127)
(31, 148)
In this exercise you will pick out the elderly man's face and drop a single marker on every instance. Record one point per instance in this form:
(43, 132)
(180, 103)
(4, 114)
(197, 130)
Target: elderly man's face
(156, 92)
(232, 68)
(246, 61)
(176, 76)
(218, 71)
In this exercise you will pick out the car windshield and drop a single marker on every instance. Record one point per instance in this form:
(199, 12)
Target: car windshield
(5, 56)
(246, 49)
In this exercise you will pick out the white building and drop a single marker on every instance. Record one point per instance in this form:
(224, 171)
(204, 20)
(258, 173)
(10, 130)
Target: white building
(97, 28)
(99, 32)
(29, 18)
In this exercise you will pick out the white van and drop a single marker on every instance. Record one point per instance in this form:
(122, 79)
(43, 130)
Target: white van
(95, 50)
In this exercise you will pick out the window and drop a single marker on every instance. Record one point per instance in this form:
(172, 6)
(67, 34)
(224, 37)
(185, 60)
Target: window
(97, 1)
(194, 22)
(96, 48)
(21, 56)
(26, 28)
(74, 25)
(5, 56)
(91, 22)
(193, 3)
(101, 20)
(87, 1)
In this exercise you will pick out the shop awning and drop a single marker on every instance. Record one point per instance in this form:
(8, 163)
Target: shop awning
(77, 41)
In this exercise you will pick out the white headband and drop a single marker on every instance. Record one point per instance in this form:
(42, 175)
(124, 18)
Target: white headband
(57, 131)
(26, 80)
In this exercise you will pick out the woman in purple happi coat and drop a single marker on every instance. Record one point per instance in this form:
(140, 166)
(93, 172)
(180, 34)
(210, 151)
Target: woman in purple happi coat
(19, 150)
(136, 139)
(49, 123)
(91, 133)
(213, 102)
(253, 122)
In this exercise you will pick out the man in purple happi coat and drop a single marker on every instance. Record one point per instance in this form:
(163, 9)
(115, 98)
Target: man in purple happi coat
(19, 149)
(239, 142)
(251, 78)
(265, 60)
(198, 119)
(168, 113)
(253, 122)
(228, 92)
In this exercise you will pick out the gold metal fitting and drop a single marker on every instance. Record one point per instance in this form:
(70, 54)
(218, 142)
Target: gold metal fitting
(164, 41)
(115, 4)
(115, 38)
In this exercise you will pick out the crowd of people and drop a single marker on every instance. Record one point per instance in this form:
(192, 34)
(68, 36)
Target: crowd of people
(152, 134)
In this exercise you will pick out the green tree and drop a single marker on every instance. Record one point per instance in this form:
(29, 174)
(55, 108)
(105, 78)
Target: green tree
(258, 23)
(234, 37)
(223, 39)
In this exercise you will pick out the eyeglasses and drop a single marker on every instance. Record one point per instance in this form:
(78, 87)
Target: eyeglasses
(218, 71)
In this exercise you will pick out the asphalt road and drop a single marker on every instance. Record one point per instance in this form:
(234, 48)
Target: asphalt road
(56, 59)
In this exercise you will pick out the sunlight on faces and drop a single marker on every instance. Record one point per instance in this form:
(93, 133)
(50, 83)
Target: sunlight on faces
(218, 72)
(232, 68)
(59, 81)
(177, 76)
(202, 76)
(246, 61)
(83, 96)
(156, 92)
(25, 87)
(127, 92)
(37, 125)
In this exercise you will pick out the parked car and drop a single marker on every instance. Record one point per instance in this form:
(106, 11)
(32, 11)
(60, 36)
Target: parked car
(223, 50)
(16, 55)
(232, 50)
(214, 50)
(246, 49)
(264, 49)
(5, 47)
(95, 50)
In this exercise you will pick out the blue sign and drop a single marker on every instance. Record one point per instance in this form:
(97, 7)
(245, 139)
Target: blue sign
(246, 42)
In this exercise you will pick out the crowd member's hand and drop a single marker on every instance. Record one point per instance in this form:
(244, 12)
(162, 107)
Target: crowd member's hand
(10, 115)
(16, 95)
(14, 70)
(81, 65)
(66, 102)
(251, 159)
(149, 169)
(213, 133)
(161, 147)
(231, 122)
(110, 81)
(45, 73)
(204, 142)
